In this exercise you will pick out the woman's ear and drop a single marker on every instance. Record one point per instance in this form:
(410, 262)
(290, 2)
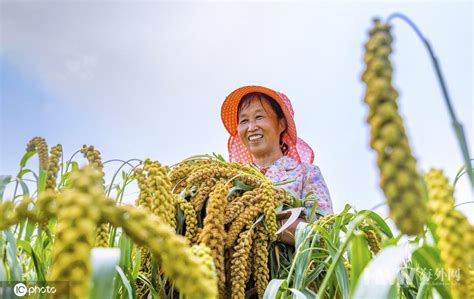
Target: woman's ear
(282, 124)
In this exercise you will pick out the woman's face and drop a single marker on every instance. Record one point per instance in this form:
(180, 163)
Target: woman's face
(259, 128)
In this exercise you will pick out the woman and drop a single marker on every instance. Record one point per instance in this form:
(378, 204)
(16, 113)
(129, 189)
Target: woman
(263, 132)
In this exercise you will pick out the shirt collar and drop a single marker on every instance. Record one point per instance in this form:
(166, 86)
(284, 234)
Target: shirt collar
(284, 163)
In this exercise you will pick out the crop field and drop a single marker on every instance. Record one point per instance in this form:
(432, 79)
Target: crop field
(207, 228)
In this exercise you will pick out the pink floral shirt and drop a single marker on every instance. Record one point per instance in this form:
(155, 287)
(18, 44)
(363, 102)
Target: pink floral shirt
(307, 178)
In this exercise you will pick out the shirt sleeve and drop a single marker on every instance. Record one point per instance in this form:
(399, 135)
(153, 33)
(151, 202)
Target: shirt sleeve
(314, 182)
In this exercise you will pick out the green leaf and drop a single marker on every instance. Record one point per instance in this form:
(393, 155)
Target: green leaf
(302, 258)
(12, 258)
(125, 246)
(341, 273)
(26, 157)
(30, 229)
(39, 266)
(239, 185)
(424, 290)
(24, 188)
(335, 260)
(4, 181)
(378, 277)
(359, 256)
(23, 172)
(150, 286)
(380, 222)
(104, 262)
(125, 282)
(275, 288)
(41, 181)
(428, 258)
(297, 294)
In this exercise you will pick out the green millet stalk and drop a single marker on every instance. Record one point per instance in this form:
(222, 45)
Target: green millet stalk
(269, 207)
(260, 260)
(373, 240)
(238, 271)
(53, 166)
(441, 199)
(348, 266)
(210, 171)
(95, 161)
(177, 261)
(399, 178)
(163, 199)
(145, 196)
(52, 174)
(246, 218)
(203, 254)
(199, 199)
(238, 205)
(77, 217)
(39, 144)
(453, 248)
(190, 219)
(213, 233)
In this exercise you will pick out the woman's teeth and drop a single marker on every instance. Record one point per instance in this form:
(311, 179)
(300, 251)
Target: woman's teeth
(255, 137)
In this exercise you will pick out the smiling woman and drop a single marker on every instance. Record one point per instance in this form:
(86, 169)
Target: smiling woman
(263, 133)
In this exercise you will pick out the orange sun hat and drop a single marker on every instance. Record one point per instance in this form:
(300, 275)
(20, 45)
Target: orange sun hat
(297, 148)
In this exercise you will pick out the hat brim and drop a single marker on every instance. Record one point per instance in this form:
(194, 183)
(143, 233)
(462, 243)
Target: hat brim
(231, 103)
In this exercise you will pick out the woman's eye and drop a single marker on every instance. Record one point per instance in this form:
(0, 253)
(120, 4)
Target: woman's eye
(259, 116)
(243, 121)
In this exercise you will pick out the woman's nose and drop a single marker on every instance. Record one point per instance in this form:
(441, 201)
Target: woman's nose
(252, 126)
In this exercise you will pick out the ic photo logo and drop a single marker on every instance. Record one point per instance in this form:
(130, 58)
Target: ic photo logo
(20, 289)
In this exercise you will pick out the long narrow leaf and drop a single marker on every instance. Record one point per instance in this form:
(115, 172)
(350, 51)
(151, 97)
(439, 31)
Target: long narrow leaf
(380, 222)
(360, 257)
(104, 262)
(12, 258)
(274, 288)
(4, 181)
(125, 282)
(379, 275)
(428, 258)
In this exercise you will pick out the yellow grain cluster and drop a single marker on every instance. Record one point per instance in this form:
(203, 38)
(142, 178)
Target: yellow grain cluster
(8, 215)
(53, 166)
(39, 144)
(77, 216)
(144, 199)
(260, 260)
(44, 208)
(441, 199)
(399, 177)
(95, 161)
(155, 197)
(348, 266)
(374, 241)
(202, 194)
(269, 206)
(176, 258)
(190, 219)
(239, 204)
(213, 233)
(52, 174)
(452, 229)
(454, 248)
(93, 157)
(239, 270)
(203, 253)
(230, 213)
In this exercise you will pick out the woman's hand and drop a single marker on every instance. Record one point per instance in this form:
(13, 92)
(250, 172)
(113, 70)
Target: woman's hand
(288, 235)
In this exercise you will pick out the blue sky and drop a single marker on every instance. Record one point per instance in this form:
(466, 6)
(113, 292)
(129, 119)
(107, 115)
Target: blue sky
(147, 79)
